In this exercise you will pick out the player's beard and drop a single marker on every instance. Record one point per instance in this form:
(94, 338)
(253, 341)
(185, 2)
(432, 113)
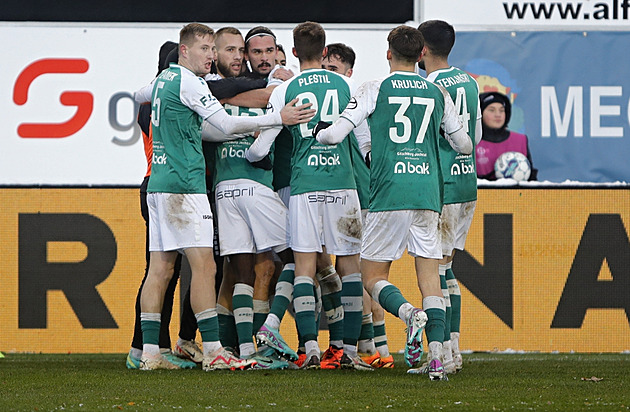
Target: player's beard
(225, 69)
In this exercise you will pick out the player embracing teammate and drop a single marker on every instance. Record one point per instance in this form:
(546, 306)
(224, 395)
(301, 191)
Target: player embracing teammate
(415, 136)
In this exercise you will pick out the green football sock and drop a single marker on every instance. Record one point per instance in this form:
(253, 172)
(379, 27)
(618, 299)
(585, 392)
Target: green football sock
(388, 296)
(330, 284)
(150, 325)
(284, 291)
(261, 310)
(227, 328)
(243, 308)
(208, 324)
(304, 305)
(447, 302)
(456, 299)
(435, 309)
(352, 301)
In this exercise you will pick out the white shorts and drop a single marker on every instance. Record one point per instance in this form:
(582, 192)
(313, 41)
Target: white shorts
(251, 218)
(455, 222)
(330, 217)
(387, 234)
(178, 221)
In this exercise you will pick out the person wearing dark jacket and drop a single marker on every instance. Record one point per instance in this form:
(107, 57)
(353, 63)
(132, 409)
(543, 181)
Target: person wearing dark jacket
(496, 138)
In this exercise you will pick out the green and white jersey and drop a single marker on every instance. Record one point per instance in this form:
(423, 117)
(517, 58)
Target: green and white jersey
(404, 113)
(230, 162)
(180, 102)
(459, 171)
(315, 166)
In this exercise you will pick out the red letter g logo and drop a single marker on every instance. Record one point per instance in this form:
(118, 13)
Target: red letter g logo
(84, 101)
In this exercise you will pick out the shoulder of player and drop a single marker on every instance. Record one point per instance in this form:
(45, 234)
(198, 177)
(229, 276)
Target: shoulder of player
(190, 80)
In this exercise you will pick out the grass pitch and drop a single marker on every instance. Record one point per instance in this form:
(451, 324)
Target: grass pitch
(564, 382)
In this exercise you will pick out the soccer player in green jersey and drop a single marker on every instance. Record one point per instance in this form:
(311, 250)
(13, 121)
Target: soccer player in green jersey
(405, 114)
(324, 207)
(358, 326)
(179, 211)
(458, 170)
(252, 220)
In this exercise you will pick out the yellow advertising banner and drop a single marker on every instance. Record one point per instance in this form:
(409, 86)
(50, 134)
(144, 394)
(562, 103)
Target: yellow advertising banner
(543, 270)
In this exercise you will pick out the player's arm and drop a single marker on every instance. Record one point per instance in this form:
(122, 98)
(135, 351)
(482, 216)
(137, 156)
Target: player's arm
(453, 129)
(210, 133)
(252, 98)
(261, 146)
(196, 95)
(232, 86)
(364, 138)
(144, 95)
(289, 115)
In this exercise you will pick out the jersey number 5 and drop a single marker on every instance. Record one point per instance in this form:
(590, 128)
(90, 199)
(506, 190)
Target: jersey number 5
(400, 117)
(155, 107)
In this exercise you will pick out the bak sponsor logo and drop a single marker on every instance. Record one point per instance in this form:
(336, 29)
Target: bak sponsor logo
(462, 169)
(234, 193)
(232, 152)
(327, 199)
(421, 169)
(323, 160)
(159, 160)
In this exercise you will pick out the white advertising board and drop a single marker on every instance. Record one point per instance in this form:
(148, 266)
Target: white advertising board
(529, 15)
(66, 112)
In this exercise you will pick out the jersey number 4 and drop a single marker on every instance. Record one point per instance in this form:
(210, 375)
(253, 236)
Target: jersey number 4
(329, 111)
(400, 117)
(461, 107)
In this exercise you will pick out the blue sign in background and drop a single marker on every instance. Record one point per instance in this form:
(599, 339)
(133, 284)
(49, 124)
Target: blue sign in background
(541, 72)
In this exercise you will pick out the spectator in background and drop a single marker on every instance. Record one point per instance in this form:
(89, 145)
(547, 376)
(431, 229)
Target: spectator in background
(496, 138)
(281, 57)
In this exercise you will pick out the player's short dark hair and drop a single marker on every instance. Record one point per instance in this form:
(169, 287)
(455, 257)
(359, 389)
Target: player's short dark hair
(189, 32)
(342, 52)
(281, 48)
(259, 31)
(227, 30)
(439, 36)
(309, 40)
(406, 43)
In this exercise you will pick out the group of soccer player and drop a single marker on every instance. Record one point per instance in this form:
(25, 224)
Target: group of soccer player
(303, 167)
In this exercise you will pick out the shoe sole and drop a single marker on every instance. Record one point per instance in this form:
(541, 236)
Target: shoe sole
(227, 367)
(283, 351)
(419, 321)
(438, 376)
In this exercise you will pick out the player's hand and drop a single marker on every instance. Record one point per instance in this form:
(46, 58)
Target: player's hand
(283, 73)
(264, 163)
(292, 114)
(319, 127)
